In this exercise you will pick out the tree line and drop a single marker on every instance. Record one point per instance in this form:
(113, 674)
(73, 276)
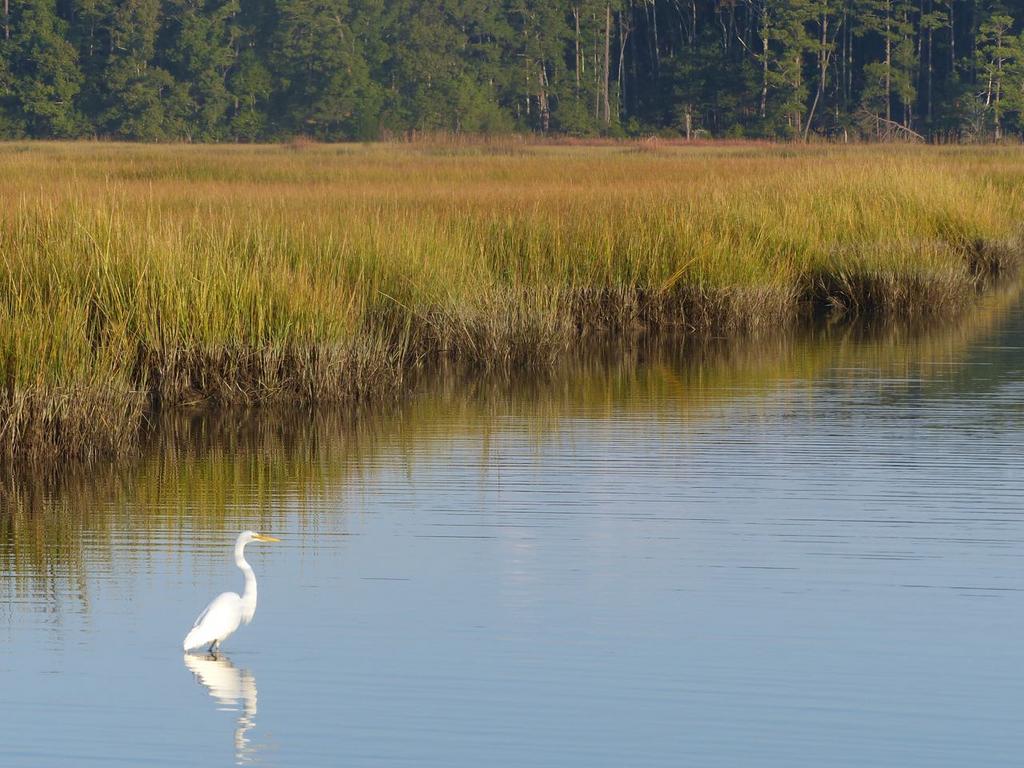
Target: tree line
(248, 70)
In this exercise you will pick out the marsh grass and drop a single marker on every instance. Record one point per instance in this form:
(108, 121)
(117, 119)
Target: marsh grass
(217, 468)
(134, 278)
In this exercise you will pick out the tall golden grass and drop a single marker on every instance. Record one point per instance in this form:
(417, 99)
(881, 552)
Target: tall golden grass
(134, 277)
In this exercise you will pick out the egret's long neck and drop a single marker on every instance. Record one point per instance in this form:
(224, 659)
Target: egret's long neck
(249, 595)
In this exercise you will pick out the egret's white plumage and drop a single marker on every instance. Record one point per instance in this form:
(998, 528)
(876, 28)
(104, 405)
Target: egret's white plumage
(229, 610)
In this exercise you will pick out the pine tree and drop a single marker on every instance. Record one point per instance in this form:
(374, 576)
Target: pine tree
(709, 92)
(250, 84)
(433, 85)
(9, 126)
(889, 79)
(536, 68)
(323, 80)
(42, 72)
(784, 42)
(998, 53)
(213, 70)
(89, 32)
(828, 26)
(203, 53)
(932, 23)
(143, 100)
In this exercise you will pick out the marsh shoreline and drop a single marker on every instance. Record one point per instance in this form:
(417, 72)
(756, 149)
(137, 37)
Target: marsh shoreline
(136, 280)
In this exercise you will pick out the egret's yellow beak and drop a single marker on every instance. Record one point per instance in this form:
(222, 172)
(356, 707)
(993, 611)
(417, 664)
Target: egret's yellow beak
(261, 537)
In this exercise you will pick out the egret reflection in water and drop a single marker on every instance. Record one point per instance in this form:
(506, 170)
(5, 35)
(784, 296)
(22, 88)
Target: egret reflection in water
(234, 690)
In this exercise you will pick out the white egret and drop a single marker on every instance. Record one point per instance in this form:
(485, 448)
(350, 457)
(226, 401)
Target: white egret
(228, 610)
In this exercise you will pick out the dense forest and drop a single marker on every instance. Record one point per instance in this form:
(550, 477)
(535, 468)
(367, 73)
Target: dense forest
(246, 70)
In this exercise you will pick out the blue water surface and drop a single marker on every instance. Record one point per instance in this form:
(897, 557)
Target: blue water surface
(806, 552)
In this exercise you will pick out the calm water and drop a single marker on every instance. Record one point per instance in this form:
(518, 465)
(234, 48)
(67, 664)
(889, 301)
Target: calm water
(804, 552)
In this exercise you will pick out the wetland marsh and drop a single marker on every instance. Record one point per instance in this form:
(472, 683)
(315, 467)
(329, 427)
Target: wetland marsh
(581, 456)
(133, 278)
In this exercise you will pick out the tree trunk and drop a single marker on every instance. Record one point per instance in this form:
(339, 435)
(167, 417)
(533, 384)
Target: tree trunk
(999, 85)
(7, 19)
(922, 69)
(973, 27)
(999, 127)
(823, 61)
(657, 46)
(542, 100)
(576, 66)
(888, 63)
(908, 109)
(849, 65)
(952, 41)
(798, 114)
(764, 64)
(527, 94)
(597, 71)
(624, 31)
(607, 63)
(843, 97)
(931, 73)
(650, 35)
(632, 54)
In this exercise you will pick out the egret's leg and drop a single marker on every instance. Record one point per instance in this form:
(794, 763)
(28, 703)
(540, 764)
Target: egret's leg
(212, 648)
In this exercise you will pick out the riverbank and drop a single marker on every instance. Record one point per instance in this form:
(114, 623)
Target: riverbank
(135, 277)
(272, 468)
